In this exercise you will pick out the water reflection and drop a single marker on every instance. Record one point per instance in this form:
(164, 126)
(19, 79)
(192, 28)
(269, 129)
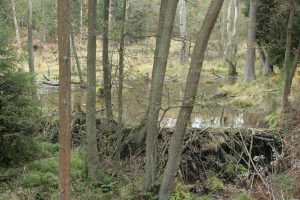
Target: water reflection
(136, 97)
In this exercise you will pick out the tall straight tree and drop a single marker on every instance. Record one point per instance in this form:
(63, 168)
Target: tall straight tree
(163, 40)
(249, 69)
(175, 149)
(182, 27)
(105, 60)
(63, 19)
(121, 78)
(30, 48)
(93, 157)
(289, 38)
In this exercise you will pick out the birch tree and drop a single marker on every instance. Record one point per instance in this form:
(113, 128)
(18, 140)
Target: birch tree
(176, 146)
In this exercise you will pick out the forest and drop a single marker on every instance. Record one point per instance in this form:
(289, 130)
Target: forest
(149, 99)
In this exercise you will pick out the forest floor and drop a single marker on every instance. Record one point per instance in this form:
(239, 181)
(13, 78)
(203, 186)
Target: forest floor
(235, 180)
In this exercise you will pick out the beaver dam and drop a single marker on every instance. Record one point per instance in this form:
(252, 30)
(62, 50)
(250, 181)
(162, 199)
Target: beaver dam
(231, 153)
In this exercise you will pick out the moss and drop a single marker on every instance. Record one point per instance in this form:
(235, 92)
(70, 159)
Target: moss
(216, 184)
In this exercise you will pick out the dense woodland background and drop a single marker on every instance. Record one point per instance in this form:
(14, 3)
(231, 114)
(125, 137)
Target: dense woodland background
(149, 99)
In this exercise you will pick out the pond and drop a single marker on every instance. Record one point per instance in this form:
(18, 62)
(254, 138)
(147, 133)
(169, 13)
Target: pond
(208, 111)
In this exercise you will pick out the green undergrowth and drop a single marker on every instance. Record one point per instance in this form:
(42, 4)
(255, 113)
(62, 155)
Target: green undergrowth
(39, 179)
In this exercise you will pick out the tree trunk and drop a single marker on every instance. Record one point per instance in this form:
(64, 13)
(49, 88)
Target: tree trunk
(289, 79)
(81, 24)
(182, 26)
(267, 69)
(93, 157)
(249, 69)
(121, 78)
(175, 149)
(163, 40)
(231, 45)
(106, 64)
(30, 49)
(18, 37)
(76, 58)
(64, 98)
(287, 55)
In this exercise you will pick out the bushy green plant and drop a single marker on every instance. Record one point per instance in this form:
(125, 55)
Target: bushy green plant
(181, 193)
(216, 184)
(36, 179)
(18, 112)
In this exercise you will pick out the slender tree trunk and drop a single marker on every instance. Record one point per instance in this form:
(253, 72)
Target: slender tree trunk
(175, 149)
(106, 64)
(249, 69)
(30, 49)
(64, 98)
(287, 56)
(42, 29)
(267, 69)
(81, 24)
(76, 58)
(289, 79)
(163, 40)
(93, 157)
(182, 26)
(121, 78)
(18, 37)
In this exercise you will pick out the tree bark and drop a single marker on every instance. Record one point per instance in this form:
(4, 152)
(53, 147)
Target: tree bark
(76, 58)
(287, 55)
(93, 157)
(182, 27)
(106, 64)
(30, 49)
(64, 98)
(289, 79)
(267, 69)
(176, 146)
(249, 69)
(163, 40)
(120, 87)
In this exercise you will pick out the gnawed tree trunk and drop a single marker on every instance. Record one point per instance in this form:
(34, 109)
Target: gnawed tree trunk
(64, 98)
(289, 79)
(106, 64)
(182, 26)
(93, 157)
(30, 49)
(76, 57)
(120, 87)
(249, 69)
(176, 146)
(18, 37)
(163, 40)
